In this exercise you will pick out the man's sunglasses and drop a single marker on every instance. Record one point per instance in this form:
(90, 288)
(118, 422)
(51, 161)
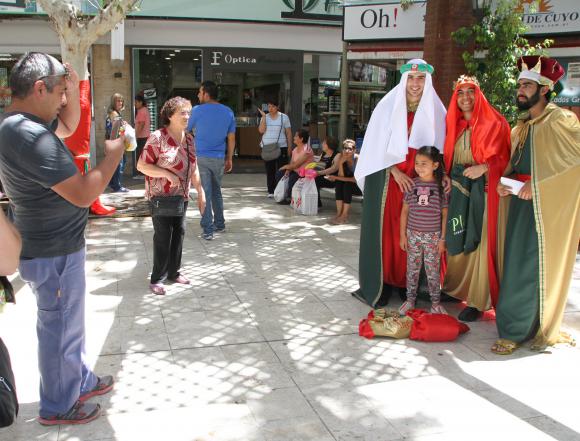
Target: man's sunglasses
(66, 75)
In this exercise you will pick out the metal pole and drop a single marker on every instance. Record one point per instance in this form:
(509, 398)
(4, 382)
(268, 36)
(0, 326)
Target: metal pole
(343, 93)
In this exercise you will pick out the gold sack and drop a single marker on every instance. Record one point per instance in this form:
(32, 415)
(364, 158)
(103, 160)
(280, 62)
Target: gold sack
(390, 325)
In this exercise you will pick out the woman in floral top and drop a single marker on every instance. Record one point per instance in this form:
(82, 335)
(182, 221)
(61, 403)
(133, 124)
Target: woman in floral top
(167, 156)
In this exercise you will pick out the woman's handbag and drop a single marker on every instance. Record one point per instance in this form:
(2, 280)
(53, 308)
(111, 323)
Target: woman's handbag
(272, 151)
(165, 206)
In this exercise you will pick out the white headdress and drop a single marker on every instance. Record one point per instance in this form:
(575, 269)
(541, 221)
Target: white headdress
(386, 140)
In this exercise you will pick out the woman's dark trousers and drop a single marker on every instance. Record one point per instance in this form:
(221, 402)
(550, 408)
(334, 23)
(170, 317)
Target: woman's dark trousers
(271, 169)
(168, 235)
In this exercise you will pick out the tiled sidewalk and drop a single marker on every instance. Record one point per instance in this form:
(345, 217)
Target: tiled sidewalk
(264, 345)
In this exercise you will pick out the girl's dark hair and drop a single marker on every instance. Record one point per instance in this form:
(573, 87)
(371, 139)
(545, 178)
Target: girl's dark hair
(434, 155)
(332, 143)
(274, 101)
(171, 106)
(303, 134)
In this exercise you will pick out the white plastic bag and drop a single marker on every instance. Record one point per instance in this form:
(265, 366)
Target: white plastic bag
(309, 198)
(280, 190)
(296, 201)
(130, 138)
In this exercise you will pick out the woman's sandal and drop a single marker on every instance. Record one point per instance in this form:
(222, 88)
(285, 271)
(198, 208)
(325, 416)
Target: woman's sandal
(504, 346)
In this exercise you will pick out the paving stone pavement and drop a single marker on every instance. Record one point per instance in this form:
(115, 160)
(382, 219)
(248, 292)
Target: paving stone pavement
(264, 345)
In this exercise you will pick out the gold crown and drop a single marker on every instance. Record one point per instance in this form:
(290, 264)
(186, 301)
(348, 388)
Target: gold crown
(537, 68)
(465, 79)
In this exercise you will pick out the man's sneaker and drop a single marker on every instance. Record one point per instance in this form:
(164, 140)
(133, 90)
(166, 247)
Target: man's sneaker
(220, 230)
(80, 413)
(270, 195)
(207, 236)
(104, 386)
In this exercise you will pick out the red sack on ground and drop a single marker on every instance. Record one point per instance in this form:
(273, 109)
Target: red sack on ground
(365, 330)
(435, 327)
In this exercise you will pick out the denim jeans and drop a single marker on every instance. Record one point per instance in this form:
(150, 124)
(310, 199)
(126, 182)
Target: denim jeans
(115, 182)
(211, 171)
(59, 286)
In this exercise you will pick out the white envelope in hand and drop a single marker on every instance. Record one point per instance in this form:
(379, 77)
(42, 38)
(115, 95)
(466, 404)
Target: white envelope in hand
(515, 186)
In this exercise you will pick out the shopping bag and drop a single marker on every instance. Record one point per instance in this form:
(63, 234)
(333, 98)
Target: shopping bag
(130, 138)
(296, 200)
(280, 190)
(309, 198)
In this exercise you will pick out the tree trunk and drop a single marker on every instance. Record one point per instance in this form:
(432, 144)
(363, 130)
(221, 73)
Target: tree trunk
(76, 38)
(441, 19)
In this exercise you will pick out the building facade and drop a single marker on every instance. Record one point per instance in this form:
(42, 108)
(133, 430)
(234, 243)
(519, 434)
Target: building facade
(383, 34)
(255, 50)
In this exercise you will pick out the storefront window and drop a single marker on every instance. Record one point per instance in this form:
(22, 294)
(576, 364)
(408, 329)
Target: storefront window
(244, 92)
(321, 96)
(164, 73)
(369, 81)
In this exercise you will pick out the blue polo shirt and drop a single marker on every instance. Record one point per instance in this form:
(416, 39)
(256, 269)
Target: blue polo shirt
(211, 123)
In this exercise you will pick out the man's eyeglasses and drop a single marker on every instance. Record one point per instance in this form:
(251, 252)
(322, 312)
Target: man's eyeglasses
(65, 75)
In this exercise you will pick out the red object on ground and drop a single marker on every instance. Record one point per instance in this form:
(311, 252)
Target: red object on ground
(365, 330)
(101, 210)
(435, 327)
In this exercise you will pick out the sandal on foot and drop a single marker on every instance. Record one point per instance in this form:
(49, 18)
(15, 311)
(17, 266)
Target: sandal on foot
(438, 309)
(503, 346)
(157, 289)
(407, 306)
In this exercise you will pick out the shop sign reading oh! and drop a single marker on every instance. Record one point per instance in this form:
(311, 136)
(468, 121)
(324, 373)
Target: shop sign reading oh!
(383, 21)
(218, 57)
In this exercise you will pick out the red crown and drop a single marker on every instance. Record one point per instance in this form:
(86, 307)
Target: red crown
(546, 67)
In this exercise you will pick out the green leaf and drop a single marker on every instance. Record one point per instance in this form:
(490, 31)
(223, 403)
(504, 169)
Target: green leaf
(500, 35)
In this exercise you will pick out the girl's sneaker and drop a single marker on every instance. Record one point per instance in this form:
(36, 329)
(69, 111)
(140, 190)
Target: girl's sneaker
(407, 306)
(436, 308)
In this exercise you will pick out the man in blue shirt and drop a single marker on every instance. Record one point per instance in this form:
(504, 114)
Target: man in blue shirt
(213, 125)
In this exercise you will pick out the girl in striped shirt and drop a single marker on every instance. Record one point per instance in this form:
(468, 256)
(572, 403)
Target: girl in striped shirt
(423, 220)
